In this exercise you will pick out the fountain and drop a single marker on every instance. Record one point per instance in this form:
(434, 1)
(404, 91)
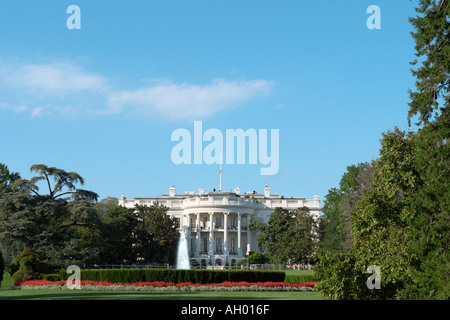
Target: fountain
(182, 252)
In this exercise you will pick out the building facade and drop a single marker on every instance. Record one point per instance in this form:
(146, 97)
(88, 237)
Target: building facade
(216, 223)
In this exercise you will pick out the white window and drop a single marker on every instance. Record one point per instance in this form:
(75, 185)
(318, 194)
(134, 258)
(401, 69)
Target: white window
(219, 223)
(219, 243)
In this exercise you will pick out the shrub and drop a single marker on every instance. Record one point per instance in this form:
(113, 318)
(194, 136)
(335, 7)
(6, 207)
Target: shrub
(2, 267)
(26, 266)
(256, 258)
(339, 278)
(52, 277)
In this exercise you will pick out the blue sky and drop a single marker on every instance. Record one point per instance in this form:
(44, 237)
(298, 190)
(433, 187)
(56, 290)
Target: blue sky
(104, 100)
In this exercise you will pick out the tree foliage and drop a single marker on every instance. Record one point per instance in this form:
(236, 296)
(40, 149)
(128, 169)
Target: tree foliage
(116, 242)
(401, 224)
(432, 34)
(156, 234)
(430, 268)
(48, 223)
(7, 178)
(289, 236)
(339, 204)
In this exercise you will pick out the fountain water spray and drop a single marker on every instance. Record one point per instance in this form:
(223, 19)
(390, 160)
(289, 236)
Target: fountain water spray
(182, 252)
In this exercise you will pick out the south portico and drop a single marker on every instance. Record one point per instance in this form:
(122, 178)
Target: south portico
(218, 237)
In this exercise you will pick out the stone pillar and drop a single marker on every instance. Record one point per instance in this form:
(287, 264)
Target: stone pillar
(197, 249)
(225, 233)
(211, 234)
(239, 250)
(188, 236)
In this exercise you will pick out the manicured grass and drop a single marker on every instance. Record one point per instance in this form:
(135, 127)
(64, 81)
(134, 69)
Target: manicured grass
(117, 295)
(299, 272)
(41, 294)
(7, 281)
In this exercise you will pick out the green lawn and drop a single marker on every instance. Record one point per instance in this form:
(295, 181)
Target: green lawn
(38, 294)
(299, 272)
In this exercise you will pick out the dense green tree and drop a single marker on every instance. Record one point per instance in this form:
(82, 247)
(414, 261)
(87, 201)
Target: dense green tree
(338, 205)
(256, 258)
(156, 234)
(2, 267)
(432, 33)
(401, 224)
(430, 200)
(380, 221)
(333, 236)
(289, 236)
(48, 223)
(7, 178)
(116, 239)
(27, 265)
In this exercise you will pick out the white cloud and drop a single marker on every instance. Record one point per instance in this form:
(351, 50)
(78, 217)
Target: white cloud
(37, 112)
(187, 101)
(52, 78)
(65, 88)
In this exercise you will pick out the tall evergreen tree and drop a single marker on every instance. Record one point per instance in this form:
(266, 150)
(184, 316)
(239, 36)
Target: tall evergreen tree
(7, 178)
(48, 223)
(430, 201)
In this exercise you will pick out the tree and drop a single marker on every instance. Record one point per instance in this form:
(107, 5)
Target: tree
(332, 222)
(2, 267)
(115, 237)
(430, 200)
(432, 46)
(402, 222)
(256, 258)
(49, 224)
(27, 266)
(339, 204)
(156, 234)
(7, 178)
(380, 221)
(289, 236)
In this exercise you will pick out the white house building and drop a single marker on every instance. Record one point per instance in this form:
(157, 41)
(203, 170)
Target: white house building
(216, 223)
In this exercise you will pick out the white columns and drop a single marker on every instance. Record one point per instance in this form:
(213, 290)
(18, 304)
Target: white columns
(211, 234)
(239, 235)
(188, 236)
(197, 226)
(225, 233)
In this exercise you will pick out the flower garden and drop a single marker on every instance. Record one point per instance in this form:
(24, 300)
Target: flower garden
(168, 286)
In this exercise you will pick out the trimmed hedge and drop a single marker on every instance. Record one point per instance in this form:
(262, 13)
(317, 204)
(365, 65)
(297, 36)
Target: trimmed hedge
(170, 275)
(2, 267)
(53, 277)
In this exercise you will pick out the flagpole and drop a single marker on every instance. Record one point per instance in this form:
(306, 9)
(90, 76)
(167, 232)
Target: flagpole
(220, 174)
(220, 188)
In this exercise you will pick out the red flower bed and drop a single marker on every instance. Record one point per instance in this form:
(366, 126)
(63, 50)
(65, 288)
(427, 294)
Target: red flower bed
(169, 284)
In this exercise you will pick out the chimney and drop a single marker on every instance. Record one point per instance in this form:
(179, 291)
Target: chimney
(267, 191)
(316, 200)
(172, 191)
